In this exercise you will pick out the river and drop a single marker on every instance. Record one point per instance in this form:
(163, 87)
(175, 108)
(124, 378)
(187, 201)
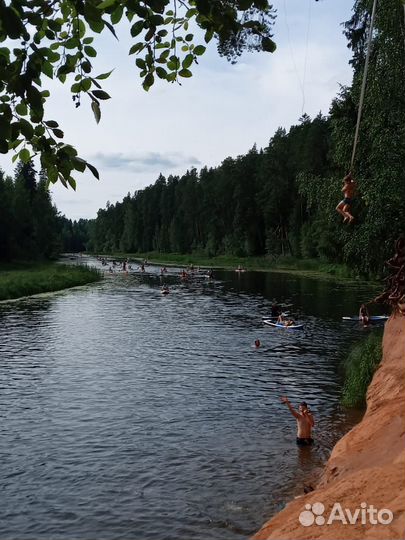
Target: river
(129, 414)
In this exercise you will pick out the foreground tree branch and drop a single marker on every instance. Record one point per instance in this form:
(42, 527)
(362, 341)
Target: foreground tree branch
(55, 39)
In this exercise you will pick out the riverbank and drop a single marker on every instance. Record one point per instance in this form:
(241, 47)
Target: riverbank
(311, 268)
(366, 466)
(19, 280)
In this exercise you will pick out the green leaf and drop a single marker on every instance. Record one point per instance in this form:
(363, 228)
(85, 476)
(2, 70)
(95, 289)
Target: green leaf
(199, 50)
(161, 72)
(93, 170)
(103, 76)
(68, 149)
(79, 164)
(100, 94)
(62, 180)
(106, 4)
(86, 85)
(185, 73)
(150, 33)
(52, 173)
(72, 182)
(137, 28)
(3, 146)
(116, 15)
(53, 56)
(58, 133)
(208, 36)
(90, 51)
(268, 45)
(96, 111)
(21, 109)
(51, 124)
(15, 144)
(24, 155)
(26, 128)
(39, 130)
(188, 60)
(75, 88)
(110, 28)
(148, 81)
(96, 26)
(135, 48)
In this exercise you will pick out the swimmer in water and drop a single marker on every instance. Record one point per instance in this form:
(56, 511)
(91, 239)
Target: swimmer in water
(305, 422)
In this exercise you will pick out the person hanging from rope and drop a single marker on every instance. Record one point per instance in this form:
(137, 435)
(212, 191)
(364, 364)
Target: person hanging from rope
(349, 190)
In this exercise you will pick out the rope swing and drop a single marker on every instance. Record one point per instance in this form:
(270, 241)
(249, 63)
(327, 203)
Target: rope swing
(363, 84)
(349, 188)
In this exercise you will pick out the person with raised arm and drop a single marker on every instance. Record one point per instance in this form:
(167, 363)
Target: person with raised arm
(305, 422)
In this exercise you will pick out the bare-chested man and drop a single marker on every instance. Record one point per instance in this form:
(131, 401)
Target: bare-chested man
(305, 422)
(349, 190)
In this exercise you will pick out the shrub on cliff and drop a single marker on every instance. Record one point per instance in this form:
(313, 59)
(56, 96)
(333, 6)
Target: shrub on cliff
(359, 368)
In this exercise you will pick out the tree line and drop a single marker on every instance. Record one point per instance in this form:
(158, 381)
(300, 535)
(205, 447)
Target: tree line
(281, 199)
(278, 200)
(31, 227)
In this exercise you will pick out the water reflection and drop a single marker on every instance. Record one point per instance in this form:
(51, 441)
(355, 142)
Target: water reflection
(128, 412)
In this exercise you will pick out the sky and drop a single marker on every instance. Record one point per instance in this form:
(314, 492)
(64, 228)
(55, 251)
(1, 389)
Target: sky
(222, 111)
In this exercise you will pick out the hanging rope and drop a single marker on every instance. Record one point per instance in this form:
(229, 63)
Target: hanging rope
(306, 57)
(363, 84)
(291, 50)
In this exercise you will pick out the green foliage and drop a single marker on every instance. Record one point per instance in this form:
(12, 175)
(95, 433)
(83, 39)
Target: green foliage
(380, 206)
(248, 206)
(281, 200)
(29, 223)
(359, 368)
(34, 279)
(55, 40)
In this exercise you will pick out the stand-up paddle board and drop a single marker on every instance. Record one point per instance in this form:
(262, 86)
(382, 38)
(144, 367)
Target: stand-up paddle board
(269, 322)
(372, 318)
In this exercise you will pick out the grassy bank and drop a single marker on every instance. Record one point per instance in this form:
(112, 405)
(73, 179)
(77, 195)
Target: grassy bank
(26, 279)
(313, 268)
(359, 368)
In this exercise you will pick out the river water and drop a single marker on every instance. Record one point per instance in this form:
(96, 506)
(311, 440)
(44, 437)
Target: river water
(129, 414)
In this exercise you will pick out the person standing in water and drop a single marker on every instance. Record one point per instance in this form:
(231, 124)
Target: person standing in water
(305, 422)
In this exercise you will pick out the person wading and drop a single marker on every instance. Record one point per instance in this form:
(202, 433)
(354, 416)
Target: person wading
(305, 422)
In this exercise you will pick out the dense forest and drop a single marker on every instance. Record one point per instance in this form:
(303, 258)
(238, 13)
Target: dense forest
(281, 199)
(30, 225)
(278, 200)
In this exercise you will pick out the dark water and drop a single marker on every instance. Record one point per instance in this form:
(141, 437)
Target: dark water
(129, 414)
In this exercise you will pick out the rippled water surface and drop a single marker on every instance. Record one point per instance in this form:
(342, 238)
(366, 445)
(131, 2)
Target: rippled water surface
(129, 414)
